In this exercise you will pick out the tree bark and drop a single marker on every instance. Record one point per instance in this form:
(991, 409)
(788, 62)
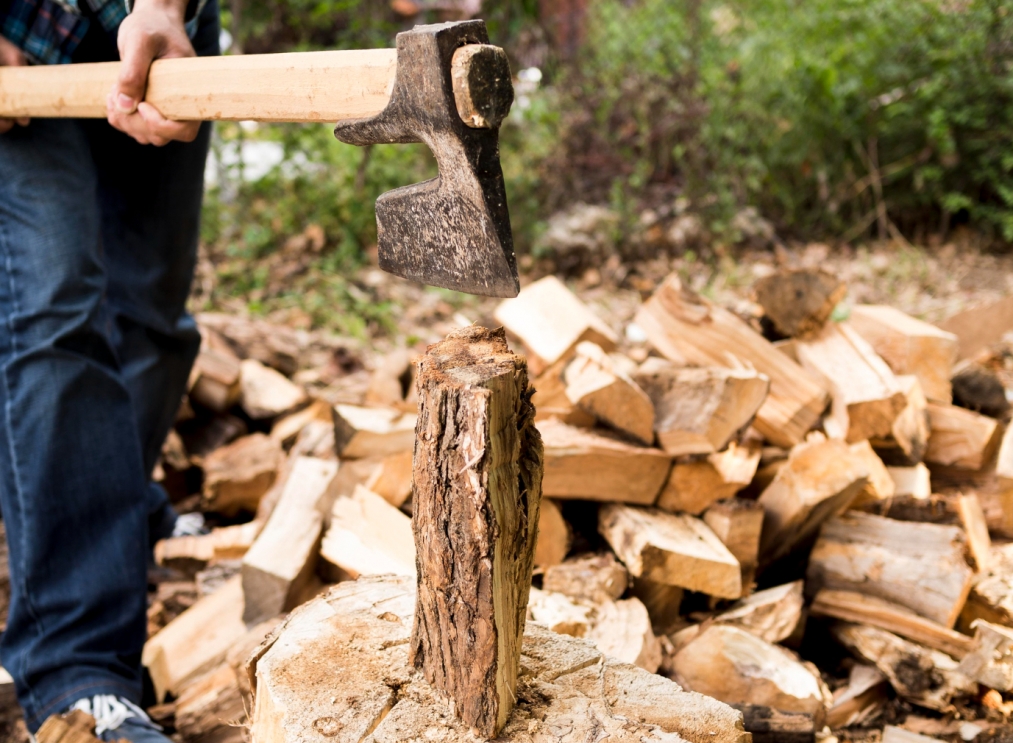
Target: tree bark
(477, 487)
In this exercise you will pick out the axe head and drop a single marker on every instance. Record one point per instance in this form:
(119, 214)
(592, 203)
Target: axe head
(454, 230)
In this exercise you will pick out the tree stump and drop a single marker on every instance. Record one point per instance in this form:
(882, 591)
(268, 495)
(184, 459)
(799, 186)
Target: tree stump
(337, 672)
(477, 487)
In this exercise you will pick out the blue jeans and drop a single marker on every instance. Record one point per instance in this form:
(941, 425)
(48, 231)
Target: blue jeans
(98, 239)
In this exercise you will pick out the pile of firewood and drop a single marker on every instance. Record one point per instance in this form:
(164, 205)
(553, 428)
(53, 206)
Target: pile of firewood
(732, 492)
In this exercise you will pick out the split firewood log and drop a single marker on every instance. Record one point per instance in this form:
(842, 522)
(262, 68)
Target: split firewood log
(196, 641)
(737, 667)
(687, 328)
(282, 561)
(372, 432)
(592, 578)
(595, 384)
(920, 566)
(700, 410)
(237, 475)
(851, 606)
(909, 346)
(867, 396)
(820, 479)
(267, 393)
(590, 465)
(924, 676)
(961, 438)
(551, 321)
(553, 536)
(696, 484)
(367, 536)
(674, 549)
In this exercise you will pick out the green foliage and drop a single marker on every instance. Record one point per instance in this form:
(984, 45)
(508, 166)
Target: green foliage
(319, 183)
(805, 109)
(819, 112)
(813, 101)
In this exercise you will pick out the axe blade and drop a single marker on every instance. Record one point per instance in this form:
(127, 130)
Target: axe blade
(452, 231)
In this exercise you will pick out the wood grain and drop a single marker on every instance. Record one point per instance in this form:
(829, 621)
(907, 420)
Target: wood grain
(298, 87)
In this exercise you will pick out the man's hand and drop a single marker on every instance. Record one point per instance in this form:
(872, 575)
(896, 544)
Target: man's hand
(10, 56)
(154, 30)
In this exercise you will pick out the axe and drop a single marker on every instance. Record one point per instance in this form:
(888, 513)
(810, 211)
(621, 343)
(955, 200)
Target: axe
(443, 85)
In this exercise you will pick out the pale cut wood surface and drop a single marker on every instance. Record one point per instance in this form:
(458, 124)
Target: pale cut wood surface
(238, 475)
(909, 346)
(212, 708)
(266, 392)
(861, 382)
(1004, 462)
(550, 320)
(372, 432)
(866, 692)
(961, 438)
(392, 478)
(737, 522)
(991, 596)
(299, 87)
(880, 486)
(820, 479)
(560, 613)
(736, 667)
(550, 399)
(622, 630)
(852, 606)
(553, 535)
(338, 670)
(687, 328)
(914, 482)
(191, 553)
(589, 465)
(979, 543)
(675, 549)
(693, 486)
(367, 536)
(920, 566)
(594, 578)
(990, 662)
(894, 734)
(772, 614)
(280, 565)
(598, 386)
(698, 411)
(197, 640)
(909, 436)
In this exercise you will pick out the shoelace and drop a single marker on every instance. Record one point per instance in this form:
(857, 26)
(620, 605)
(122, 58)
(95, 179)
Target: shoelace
(109, 711)
(189, 525)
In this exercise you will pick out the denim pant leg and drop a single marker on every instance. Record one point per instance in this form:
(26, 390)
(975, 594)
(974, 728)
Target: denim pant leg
(72, 478)
(150, 200)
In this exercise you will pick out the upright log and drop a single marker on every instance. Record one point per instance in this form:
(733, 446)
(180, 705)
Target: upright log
(477, 487)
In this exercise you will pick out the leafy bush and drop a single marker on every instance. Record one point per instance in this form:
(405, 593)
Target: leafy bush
(830, 115)
(835, 118)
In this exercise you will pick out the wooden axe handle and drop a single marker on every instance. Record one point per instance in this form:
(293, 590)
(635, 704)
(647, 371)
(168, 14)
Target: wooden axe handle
(299, 87)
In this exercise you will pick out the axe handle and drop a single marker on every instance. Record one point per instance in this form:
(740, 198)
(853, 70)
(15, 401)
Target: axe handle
(299, 87)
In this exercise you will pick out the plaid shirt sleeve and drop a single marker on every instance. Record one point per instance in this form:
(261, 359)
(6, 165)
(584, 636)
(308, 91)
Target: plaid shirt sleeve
(49, 31)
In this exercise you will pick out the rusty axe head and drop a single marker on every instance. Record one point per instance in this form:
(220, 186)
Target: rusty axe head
(452, 231)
